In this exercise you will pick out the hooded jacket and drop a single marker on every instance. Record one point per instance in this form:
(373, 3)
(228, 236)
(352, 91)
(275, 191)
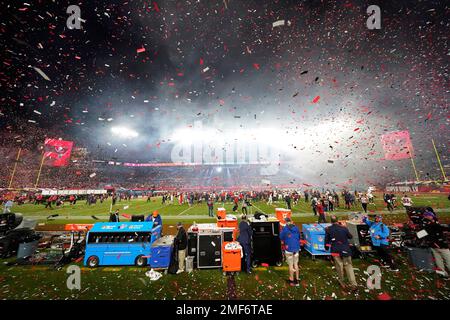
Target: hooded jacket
(378, 229)
(290, 235)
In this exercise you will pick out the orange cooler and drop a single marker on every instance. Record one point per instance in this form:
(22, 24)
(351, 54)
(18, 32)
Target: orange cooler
(282, 214)
(221, 213)
(227, 223)
(231, 259)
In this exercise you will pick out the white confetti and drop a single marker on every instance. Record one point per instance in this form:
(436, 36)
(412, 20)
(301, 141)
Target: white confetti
(278, 23)
(42, 73)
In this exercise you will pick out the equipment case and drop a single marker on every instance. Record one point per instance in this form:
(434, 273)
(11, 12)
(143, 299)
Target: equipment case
(266, 242)
(361, 236)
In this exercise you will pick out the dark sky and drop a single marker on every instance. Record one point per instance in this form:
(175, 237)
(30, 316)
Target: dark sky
(223, 63)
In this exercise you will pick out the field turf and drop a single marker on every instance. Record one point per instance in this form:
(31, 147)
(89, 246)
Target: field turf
(172, 213)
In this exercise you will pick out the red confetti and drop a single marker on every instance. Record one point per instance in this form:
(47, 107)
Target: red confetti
(256, 66)
(140, 50)
(384, 296)
(316, 99)
(155, 6)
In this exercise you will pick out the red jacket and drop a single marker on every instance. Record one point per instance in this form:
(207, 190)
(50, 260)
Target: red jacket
(320, 209)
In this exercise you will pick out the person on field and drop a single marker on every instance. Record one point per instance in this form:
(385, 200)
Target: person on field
(437, 241)
(290, 235)
(114, 216)
(210, 204)
(7, 206)
(245, 240)
(336, 238)
(155, 217)
(321, 212)
(406, 202)
(364, 202)
(379, 234)
(181, 245)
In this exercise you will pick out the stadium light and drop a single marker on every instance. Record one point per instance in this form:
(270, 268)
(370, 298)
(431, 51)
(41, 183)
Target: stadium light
(219, 169)
(124, 132)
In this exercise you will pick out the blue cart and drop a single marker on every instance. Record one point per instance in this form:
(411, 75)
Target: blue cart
(161, 252)
(314, 236)
(120, 243)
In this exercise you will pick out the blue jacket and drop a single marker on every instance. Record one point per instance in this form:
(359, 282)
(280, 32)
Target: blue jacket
(378, 229)
(245, 233)
(337, 237)
(290, 235)
(156, 221)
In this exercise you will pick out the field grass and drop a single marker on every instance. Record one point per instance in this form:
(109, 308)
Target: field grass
(302, 212)
(318, 277)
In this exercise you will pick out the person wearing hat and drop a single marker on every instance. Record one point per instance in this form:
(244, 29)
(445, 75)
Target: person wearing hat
(245, 240)
(290, 235)
(435, 239)
(155, 217)
(336, 238)
(181, 245)
(379, 234)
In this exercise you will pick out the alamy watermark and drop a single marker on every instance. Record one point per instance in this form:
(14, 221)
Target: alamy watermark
(74, 279)
(209, 151)
(374, 279)
(74, 20)
(374, 20)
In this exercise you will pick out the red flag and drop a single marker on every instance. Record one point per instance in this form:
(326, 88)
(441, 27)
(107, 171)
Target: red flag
(58, 151)
(397, 145)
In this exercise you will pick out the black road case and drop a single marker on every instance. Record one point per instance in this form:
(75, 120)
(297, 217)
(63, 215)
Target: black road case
(209, 250)
(421, 258)
(361, 236)
(266, 242)
(192, 244)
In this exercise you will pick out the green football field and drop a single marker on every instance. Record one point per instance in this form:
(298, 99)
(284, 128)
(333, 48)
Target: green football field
(302, 212)
(318, 279)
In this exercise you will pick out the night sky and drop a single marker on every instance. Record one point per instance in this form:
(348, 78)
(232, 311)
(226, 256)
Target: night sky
(322, 78)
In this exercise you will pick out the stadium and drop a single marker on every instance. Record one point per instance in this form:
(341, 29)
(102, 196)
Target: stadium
(224, 145)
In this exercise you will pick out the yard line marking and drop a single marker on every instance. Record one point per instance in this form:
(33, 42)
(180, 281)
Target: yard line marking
(258, 208)
(186, 210)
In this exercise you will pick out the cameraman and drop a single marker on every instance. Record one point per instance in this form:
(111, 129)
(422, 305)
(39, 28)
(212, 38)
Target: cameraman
(379, 233)
(435, 239)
